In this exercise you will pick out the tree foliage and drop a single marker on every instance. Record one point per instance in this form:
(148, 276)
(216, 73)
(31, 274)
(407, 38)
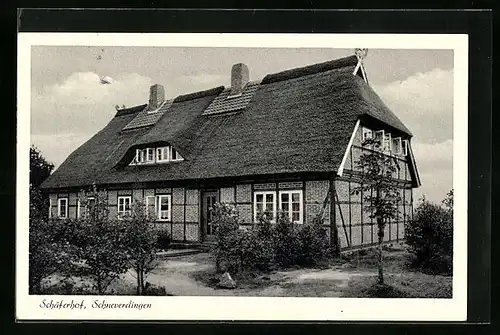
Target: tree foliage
(379, 190)
(42, 244)
(102, 243)
(40, 168)
(141, 242)
(430, 236)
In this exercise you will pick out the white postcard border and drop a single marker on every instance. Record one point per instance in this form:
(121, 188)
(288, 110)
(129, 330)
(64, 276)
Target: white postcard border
(251, 308)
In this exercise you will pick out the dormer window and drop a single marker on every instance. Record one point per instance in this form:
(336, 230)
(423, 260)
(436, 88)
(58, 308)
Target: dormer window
(162, 154)
(175, 155)
(152, 155)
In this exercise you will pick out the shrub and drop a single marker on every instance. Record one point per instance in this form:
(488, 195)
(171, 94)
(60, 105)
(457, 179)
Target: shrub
(430, 238)
(163, 240)
(154, 290)
(258, 251)
(266, 243)
(227, 251)
(287, 242)
(314, 244)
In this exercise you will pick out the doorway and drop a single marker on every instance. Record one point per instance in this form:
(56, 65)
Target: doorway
(208, 199)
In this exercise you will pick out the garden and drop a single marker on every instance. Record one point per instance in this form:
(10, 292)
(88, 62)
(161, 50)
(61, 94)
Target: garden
(96, 254)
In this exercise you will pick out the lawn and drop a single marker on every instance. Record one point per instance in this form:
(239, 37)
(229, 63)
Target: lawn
(352, 276)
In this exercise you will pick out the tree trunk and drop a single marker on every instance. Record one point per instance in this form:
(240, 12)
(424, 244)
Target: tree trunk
(380, 224)
(99, 286)
(139, 286)
(334, 232)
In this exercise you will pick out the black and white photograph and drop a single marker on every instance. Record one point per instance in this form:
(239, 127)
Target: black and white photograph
(162, 171)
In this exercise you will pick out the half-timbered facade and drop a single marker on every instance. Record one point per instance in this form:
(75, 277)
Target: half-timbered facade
(288, 142)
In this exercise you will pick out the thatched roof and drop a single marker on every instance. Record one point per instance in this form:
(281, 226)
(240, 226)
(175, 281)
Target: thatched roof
(299, 120)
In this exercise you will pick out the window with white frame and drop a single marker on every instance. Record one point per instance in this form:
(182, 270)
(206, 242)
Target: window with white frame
(62, 208)
(264, 203)
(162, 154)
(367, 134)
(124, 206)
(163, 207)
(379, 139)
(50, 208)
(397, 147)
(405, 147)
(175, 156)
(159, 207)
(89, 206)
(290, 203)
(150, 155)
(386, 147)
(156, 155)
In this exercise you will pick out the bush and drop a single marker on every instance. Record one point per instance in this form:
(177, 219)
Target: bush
(227, 251)
(266, 244)
(163, 240)
(258, 251)
(154, 290)
(314, 244)
(287, 242)
(430, 238)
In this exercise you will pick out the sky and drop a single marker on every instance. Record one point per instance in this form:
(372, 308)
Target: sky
(69, 105)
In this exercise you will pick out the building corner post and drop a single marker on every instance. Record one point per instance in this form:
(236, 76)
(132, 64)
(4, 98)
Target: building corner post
(334, 233)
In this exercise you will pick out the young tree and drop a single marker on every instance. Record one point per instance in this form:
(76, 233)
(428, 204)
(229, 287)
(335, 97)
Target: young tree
(102, 243)
(141, 244)
(379, 190)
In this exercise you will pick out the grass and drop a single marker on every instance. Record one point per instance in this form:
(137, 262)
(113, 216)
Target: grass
(401, 280)
(354, 275)
(408, 285)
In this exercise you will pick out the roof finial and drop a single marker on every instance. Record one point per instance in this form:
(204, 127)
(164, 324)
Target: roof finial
(361, 55)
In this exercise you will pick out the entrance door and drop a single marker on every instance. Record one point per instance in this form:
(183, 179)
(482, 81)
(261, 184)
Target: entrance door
(208, 200)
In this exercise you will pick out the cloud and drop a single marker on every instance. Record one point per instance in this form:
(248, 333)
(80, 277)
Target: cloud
(435, 166)
(57, 147)
(424, 102)
(204, 79)
(82, 104)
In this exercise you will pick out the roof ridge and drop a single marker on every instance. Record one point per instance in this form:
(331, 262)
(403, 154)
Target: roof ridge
(130, 110)
(310, 69)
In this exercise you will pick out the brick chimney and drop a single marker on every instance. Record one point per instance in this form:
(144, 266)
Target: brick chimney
(239, 78)
(156, 97)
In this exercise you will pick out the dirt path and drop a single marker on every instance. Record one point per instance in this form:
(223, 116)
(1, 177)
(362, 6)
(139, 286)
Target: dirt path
(176, 274)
